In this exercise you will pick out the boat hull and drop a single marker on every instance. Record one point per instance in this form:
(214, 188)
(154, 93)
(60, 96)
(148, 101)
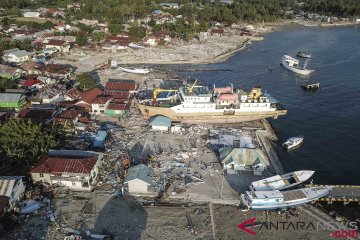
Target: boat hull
(285, 205)
(296, 70)
(207, 117)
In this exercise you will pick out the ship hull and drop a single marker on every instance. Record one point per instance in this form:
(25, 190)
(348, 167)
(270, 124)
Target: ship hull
(208, 117)
(296, 70)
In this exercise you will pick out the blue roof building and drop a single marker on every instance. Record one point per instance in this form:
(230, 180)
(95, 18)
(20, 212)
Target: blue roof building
(139, 179)
(161, 123)
(99, 139)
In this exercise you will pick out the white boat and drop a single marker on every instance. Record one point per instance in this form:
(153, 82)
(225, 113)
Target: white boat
(135, 70)
(133, 45)
(293, 142)
(266, 200)
(281, 182)
(303, 55)
(121, 47)
(292, 64)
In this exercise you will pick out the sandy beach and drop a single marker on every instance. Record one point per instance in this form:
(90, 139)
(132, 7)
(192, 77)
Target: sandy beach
(214, 49)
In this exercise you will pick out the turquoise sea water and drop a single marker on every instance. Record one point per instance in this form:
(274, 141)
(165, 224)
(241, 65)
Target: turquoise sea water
(329, 118)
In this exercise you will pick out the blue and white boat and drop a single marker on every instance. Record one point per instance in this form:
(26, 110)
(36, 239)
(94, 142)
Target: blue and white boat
(266, 200)
(281, 182)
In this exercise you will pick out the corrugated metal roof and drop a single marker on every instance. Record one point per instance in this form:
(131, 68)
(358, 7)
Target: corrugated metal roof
(140, 172)
(160, 121)
(7, 184)
(10, 97)
(243, 156)
(120, 86)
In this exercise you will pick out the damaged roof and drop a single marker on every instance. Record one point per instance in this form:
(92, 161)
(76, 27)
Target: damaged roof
(140, 172)
(65, 165)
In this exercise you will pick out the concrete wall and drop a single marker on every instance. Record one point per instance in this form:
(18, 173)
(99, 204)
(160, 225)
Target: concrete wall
(160, 128)
(137, 186)
(73, 185)
(36, 177)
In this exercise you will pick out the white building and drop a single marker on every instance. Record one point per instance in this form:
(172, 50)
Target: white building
(16, 55)
(77, 170)
(160, 123)
(243, 159)
(32, 15)
(100, 104)
(139, 180)
(12, 187)
(150, 41)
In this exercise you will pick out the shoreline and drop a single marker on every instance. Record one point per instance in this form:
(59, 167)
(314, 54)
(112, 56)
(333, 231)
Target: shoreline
(215, 49)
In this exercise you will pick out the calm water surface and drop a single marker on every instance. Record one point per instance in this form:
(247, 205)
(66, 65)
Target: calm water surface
(329, 118)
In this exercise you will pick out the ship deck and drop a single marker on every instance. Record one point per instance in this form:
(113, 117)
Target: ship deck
(293, 195)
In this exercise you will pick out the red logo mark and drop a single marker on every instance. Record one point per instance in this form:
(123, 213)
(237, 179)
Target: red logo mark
(243, 226)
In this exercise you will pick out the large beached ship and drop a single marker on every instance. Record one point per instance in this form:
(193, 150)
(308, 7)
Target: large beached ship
(199, 104)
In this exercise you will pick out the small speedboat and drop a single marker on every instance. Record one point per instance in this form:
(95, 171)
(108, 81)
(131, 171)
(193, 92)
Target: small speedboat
(303, 55)
(293, 142)
(271, 68)
(311, 86)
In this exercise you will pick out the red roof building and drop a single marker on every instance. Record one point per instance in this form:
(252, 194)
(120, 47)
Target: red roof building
(71, 168)
(121, 86)
(43, 116)
(31, 82)
(68, 117)
(87, 98)
(119, 106)
(118, 95)
(58, 166)
(217, 31)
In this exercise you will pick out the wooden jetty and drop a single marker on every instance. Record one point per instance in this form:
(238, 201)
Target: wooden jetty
(341, 193)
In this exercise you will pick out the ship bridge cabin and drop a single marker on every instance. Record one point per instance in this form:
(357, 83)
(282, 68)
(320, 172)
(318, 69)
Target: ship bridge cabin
(195, 94)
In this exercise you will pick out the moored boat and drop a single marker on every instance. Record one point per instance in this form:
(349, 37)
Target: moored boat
(199, 104)
(135, 46)
(303, 55)
(281, 182)
(266, 200)
(292, 64)
(311, 86)
(293, 142)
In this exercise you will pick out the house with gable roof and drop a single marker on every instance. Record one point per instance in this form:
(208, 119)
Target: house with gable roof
(77, 170)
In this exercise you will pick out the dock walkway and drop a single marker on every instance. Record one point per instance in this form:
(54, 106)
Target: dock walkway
(341, 193)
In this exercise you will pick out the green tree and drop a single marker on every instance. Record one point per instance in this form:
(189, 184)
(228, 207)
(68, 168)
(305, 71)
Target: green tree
(86, 81)
(23, 142)
(137, 32)
(98, 36)
(81, 39)
(6, 84)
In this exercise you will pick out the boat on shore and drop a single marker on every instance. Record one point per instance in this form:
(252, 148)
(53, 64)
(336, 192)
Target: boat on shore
(135, 46)
(293, 142)
(292, 64)
(135, 70)
(281, 182)
(267, 200)
(311, 86)
(198, 104)
(303, 55)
